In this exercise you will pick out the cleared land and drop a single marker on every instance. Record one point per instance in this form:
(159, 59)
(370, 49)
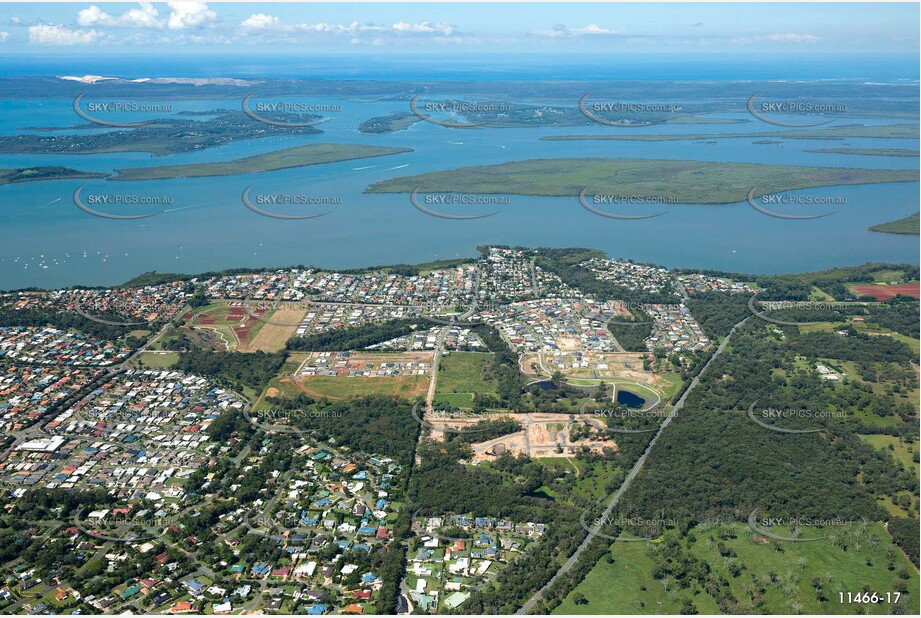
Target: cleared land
(272, 337)
(234, 325)
(675, 181)
(298, 156)
(406, 387)
(894, 131)
(543, 434)
(885, 292)
(909, 225)
(155, 360)
(460, 376)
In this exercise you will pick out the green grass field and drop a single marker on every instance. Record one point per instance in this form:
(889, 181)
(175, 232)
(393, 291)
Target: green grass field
(407, 387)
(672, 181)
(904, 453)
(460, 375)
(783, 570)
(155, 360)
(889, 276)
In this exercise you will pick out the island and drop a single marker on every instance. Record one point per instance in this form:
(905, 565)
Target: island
(47, 172)
(161, 137)
(297, 156)
(892, 131)
(907, 225)
(674, 181)
(396, 121)
(870, 152)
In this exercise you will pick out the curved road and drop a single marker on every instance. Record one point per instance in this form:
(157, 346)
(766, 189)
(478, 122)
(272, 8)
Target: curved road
(629, 479)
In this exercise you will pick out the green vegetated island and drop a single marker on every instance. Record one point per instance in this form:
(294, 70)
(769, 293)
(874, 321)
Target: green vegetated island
(870, 152)
(515, 115)
(687, 182)
(298, 156)
(164, 136)
(396, 121)
(49, 172)
(894, 131)
(907, 225)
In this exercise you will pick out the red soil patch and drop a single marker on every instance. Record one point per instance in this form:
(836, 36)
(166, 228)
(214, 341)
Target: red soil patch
(885, 292)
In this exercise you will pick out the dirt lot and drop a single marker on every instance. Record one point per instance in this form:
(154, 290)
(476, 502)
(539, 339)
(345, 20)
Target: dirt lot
(568, 343)
(544, 434)
(272, 337)
(885, 292)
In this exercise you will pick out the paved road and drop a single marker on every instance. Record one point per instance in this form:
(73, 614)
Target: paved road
(439, 348)
(629, 479)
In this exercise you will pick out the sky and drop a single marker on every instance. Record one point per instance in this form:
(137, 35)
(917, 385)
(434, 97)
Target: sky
(174, 27)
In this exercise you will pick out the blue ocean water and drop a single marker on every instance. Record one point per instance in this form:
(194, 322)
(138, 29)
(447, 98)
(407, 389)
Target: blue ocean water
(49, 242)
(800, 65)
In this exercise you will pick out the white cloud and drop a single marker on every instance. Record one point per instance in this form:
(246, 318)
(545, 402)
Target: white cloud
(48, 34)
(189, 15)
(260, 21)
(424, 27)
(561, 30)
(94, 16)
(778, 37)
(4, 36)
(322, 27)
(263, 24)
(791, 37)
(145, 16)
